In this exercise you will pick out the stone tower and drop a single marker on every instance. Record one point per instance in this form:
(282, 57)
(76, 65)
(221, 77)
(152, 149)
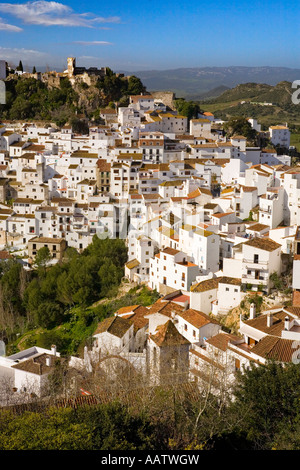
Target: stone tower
(71, 66)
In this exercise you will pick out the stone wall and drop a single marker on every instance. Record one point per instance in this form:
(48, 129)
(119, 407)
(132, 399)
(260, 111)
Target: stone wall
(167, 97)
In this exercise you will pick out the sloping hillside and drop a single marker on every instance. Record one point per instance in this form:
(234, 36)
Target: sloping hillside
(269, 104)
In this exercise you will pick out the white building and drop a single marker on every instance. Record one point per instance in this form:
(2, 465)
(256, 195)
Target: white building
(196, 326)
(171, 269)
(280, 135)
(271, 207)
(27, 371)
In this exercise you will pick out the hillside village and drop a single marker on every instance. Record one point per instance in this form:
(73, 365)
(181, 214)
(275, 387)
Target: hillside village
(211, 223)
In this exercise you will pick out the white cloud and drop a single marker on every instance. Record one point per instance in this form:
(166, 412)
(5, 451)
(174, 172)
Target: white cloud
(88, 57)
(9, 27)
(51, 13)
(92, 43)
(26, 55)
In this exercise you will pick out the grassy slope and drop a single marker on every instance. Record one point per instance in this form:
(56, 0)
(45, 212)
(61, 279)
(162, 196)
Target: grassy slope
(295, 140)
(81, 322)
(229, 104)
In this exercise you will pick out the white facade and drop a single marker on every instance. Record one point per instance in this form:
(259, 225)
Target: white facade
(196, 326)
(280, 135)
(271, 207)
(171, 268)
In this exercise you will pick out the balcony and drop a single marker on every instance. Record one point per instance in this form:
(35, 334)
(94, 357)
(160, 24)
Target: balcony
(255, 280)
(265, 210)
(253, 264)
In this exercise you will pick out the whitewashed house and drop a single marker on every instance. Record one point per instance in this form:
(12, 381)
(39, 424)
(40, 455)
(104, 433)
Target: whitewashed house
(271, 207)
(280, 135)
(171, 269)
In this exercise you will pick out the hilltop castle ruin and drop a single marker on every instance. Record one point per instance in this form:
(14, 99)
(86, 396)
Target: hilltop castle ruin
(74, 71)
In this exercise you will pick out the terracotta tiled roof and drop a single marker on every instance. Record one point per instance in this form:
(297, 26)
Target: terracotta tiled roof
(296, 300)
(222, 340)
(165, 308)
(230, 280)
(249, 189)
(219, 215)
(197, 318)
(5, 254)
(278, 349)
(129, 309)
(263, 244)
(103, 165)
(168, 335)
(258, 227)
(260, 323)
(132, 264)
(138, 317)
(206, 285)
(116, 326)
(37, 364)
(55, 241)
(170, 251)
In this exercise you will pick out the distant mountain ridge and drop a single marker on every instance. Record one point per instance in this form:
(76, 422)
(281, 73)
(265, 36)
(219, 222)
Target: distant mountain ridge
(199, 82)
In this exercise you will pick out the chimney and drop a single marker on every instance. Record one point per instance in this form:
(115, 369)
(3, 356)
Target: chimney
(48, 361)
(53, 349)
(286, 323)
(252, 311)
(269, 320)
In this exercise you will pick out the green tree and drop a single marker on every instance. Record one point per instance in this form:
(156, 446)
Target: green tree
(20, 67)
(266, 403)
(104, 427)
(53, 430)
(79, 126)
(115, 427)
(135, 86)
(240, 126)
(42, 259)
(49, 313)
(190, 109)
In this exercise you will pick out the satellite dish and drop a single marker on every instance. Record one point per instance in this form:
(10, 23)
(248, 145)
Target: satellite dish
(2, 348)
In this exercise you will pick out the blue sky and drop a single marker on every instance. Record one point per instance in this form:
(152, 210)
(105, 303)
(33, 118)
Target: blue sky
(135, 35)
